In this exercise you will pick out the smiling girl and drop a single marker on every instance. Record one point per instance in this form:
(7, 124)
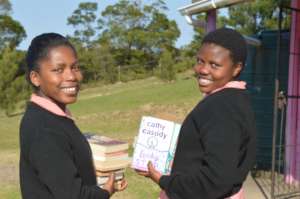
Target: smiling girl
(55, 159)
(216, 145)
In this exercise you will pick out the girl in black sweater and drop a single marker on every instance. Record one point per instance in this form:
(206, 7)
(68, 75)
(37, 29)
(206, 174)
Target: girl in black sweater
(55, 158)
(216, 144)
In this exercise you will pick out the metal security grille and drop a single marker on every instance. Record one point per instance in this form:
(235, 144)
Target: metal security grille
(276, 182)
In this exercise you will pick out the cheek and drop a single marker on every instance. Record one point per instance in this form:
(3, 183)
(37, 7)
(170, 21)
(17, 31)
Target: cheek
(224, 74)
(79, 76)
(49, 81)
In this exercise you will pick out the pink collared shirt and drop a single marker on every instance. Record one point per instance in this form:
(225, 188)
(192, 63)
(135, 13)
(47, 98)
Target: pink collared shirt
(231, 84)
(50, 106)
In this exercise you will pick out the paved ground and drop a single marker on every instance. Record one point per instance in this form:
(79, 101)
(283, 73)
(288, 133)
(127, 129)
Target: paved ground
(251, 189)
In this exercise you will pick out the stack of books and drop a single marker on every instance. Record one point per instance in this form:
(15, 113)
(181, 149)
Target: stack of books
(109, 155)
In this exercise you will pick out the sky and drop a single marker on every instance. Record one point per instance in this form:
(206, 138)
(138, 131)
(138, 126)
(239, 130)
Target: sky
(40, 16)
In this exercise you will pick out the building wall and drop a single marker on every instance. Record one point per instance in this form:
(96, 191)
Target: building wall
(259, 74)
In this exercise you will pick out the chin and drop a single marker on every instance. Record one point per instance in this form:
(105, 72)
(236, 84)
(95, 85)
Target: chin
(204, 90)
(69, 100)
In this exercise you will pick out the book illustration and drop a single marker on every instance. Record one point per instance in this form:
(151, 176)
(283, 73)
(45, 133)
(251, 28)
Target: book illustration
(152, 142)
(156, 142)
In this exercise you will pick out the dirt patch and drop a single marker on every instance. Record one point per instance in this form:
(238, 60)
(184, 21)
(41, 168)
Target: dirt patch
(9, 174)
(9, 168)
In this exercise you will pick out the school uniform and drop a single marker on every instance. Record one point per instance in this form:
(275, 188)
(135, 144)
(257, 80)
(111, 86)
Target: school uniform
(55, 158)
(216, 148)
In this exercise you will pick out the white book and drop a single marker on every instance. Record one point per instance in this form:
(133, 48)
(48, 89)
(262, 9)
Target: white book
(103, 180)
(156, 142)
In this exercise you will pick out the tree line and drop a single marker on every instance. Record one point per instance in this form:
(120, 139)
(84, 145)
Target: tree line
(128, 40)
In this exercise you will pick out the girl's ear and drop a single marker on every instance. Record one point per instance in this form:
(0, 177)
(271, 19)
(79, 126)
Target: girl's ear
(238, 68)
(34, 78)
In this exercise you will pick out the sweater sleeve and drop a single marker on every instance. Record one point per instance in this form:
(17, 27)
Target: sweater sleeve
(51, 157)
(218, 172)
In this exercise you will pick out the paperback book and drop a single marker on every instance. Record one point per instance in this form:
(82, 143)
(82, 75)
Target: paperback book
(156, 142)
(108, 154)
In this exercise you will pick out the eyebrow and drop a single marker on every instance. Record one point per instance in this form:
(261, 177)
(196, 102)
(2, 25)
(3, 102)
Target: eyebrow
(64, 64)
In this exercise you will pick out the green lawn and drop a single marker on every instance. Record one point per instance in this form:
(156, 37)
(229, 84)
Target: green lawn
(115, 111)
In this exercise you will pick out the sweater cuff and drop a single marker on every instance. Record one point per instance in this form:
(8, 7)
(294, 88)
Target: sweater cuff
(164, 181)
(103, 193)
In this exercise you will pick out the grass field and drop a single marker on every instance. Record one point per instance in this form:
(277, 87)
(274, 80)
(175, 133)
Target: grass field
(115, 111)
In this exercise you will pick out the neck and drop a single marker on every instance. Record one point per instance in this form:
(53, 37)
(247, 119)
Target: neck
(60, 105)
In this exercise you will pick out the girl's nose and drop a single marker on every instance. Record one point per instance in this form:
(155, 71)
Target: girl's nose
(201, 69)
(70, 75)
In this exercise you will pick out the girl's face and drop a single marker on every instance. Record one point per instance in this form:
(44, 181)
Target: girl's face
(59, 76)
(214, 67)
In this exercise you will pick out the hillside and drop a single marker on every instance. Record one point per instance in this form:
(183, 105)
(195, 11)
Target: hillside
(112, 110)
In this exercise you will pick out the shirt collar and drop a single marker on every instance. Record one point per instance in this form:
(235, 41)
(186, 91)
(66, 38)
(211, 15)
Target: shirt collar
(231, 84)
(50, 106)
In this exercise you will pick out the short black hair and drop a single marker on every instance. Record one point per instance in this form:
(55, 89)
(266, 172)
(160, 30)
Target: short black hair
(231, 40)
(40, 47)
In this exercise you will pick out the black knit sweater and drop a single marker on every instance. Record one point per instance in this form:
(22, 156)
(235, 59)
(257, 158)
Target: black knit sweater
(216, 148)
(55, 159)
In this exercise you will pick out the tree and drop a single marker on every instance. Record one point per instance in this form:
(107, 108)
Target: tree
(127, 36)
(166, 65)
(12, 80)
(11, 32)
(253, 17)
(143, 32)
(83, 20)
(5, 7)
(97, 62)
(162, 32)
(104, 59)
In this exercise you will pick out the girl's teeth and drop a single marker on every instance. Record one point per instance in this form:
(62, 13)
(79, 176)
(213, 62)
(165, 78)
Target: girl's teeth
(69, 90)
(204, 81)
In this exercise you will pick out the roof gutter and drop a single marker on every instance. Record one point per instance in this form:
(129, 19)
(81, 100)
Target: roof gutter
(204, 6)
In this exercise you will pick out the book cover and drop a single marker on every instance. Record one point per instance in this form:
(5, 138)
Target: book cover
(102, 144)
(156, 142)
(172, 149)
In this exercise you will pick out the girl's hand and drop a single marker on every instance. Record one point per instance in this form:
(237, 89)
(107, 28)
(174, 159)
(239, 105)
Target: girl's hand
(151, 173)
(111, 186)
(121, 186)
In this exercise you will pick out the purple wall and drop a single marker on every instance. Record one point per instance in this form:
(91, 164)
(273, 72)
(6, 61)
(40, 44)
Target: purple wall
(292, 169)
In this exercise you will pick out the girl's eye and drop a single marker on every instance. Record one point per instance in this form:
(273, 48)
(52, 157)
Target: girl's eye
(58, 70)
(76, 68)
(199, 61)
(213, 65)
